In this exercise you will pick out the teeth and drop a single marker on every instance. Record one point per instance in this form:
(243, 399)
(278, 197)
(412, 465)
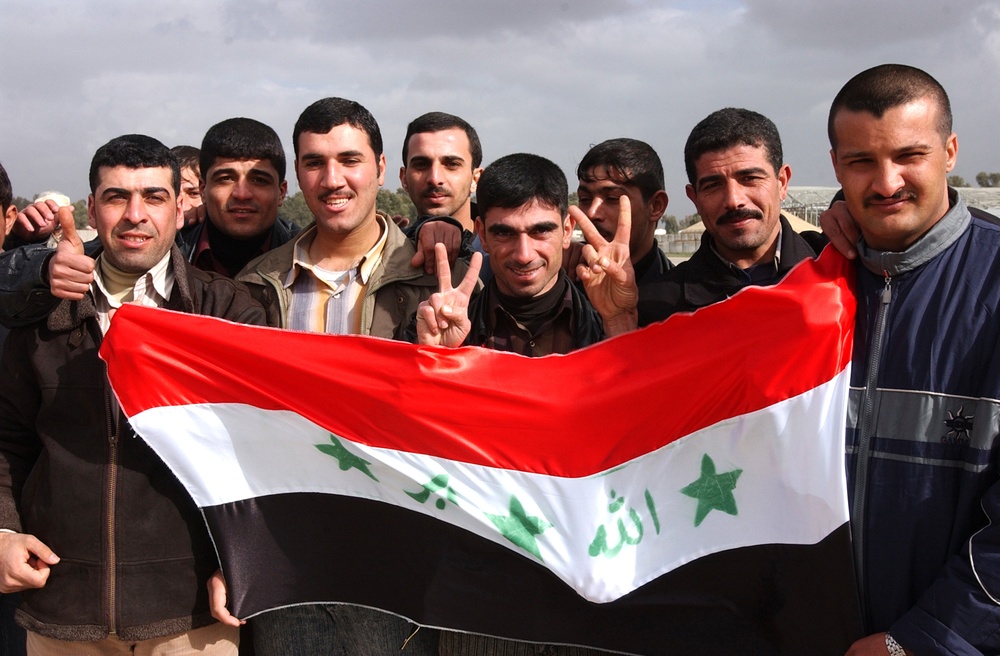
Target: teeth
(337, 202)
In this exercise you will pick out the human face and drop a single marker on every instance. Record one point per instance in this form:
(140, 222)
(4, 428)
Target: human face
(340, 175)
(190, 189)
(738, 195)
(439, 176)
(894, 171)
(525, 246)
(598, 198)
(136, 214)
(243, 196)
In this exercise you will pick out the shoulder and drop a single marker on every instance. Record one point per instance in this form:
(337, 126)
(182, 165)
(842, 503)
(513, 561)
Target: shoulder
(217, 296)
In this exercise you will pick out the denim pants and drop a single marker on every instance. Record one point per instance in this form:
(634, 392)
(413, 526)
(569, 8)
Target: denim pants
(339, 630)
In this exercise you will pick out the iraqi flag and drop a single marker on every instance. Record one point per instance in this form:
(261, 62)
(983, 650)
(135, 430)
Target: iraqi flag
(676, 490)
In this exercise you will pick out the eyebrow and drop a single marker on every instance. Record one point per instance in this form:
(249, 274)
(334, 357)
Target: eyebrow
(867, 153)
(544, 225)
(741, 172)
(145, 191)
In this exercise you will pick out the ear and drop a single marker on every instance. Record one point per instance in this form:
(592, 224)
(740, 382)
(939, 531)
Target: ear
(91, 218)
(836, 169)
(475, 178)
(283, 188)
(180, 213)
(951, 151)
(784, 176)
(691, 194)
(10, 216)
(381, 169)
(480, 229)
(657, 205)
(569, 223)
(402, 179)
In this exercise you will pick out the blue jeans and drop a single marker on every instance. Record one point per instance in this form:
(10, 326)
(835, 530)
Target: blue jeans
(339, 630)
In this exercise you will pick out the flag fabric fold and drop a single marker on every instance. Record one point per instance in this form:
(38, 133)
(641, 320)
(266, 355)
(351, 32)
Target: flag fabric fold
(679, 487)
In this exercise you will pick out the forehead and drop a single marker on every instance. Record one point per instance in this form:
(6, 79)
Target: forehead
(123, 177)
(340, 139)
(443, 143)
(911, 124)
(601, 178)
(731, 160)
(189, 175)
(523, 217)
(241, 166)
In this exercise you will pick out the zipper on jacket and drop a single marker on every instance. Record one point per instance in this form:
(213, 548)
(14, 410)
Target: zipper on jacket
(863, 453)
(113, 427)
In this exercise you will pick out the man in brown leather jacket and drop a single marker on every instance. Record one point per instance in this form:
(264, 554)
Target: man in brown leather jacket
(106, 544)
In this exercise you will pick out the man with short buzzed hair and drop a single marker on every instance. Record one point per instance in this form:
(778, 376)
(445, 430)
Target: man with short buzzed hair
(922, 437)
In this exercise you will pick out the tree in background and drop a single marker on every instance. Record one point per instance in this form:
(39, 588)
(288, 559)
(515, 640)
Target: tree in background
(957, 181)
(984, 179)
(689, 220)
(395, 203)
(670, 224)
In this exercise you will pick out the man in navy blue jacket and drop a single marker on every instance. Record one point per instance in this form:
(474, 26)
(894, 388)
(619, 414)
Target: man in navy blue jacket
(922, 441)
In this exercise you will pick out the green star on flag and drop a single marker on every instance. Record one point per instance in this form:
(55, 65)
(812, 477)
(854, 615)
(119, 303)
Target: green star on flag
(520, 528)
(345, 458)
(713, 491)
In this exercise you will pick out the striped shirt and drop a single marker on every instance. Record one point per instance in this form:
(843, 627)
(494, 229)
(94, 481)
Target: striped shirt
(152, 289)
(326, 301)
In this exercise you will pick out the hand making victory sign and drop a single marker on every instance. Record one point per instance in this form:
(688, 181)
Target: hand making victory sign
(443, 319)
(607, 274)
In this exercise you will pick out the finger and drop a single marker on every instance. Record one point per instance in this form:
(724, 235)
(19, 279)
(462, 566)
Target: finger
(217, 598)
(587, 228)
(590, 257)
(40, 550)
(468, 284)
(427, 329)
(623, 232)
(68, 225)
(417, 260)
(442, 266)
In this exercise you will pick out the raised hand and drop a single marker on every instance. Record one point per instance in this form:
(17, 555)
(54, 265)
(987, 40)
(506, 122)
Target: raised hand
(70, 270)
(443, 319)
(431, 234)
(606, 271)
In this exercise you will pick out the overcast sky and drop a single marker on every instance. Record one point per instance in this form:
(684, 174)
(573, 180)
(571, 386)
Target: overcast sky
(531, 75)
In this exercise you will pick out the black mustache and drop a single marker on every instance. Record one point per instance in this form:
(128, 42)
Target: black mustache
(739, 215)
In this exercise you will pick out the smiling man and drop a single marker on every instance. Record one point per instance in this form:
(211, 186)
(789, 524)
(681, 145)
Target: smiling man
(737, 180)
(133, 552)
(922, 437)
(348, 273)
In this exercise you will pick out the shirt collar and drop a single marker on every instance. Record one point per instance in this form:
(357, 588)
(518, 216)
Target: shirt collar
(365, 266)
(153, 286)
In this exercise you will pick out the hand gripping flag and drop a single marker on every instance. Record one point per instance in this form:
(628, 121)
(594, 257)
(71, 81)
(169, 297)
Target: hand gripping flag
(677, 489)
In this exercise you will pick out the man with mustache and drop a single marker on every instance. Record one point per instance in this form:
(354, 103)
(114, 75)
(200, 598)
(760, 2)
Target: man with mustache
(737, 180)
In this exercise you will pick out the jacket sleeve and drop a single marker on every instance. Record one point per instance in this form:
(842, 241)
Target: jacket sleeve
(960, 612)
(20, 400)
(24, 290)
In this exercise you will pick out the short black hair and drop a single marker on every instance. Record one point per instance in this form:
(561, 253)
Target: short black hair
(134, 151)
(327, 113)
(188, 157)
(627, 161)
(6, 191)
(730, 127)
(884, 87)
(518, 179)
(438, 121)
(242, 138)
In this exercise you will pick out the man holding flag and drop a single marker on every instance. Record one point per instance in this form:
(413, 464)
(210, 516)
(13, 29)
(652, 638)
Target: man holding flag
(105, 542)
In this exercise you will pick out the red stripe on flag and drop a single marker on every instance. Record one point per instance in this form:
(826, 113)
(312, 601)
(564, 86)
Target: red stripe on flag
(571, 415)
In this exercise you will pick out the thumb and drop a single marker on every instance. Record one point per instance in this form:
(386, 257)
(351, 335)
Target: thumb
(68, 225)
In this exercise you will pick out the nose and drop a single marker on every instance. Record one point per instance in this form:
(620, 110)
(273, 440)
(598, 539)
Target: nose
(242, 189)
(888, 180)
(332, 176)
(523, 253)
(593, 211)
(735, 195)
(134, 210)
(434, 174)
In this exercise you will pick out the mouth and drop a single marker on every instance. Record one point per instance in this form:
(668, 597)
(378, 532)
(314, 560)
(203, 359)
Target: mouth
(335, 202)
(134, 239)
(738, 217)
(242, 211)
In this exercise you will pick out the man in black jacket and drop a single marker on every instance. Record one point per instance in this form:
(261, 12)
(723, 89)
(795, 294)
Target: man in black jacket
(737, 180)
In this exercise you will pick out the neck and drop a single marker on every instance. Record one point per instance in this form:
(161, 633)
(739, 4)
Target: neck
(336, 251)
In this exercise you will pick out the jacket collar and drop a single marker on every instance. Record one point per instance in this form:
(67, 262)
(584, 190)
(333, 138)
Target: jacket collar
(940, 236)
(68, 315)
